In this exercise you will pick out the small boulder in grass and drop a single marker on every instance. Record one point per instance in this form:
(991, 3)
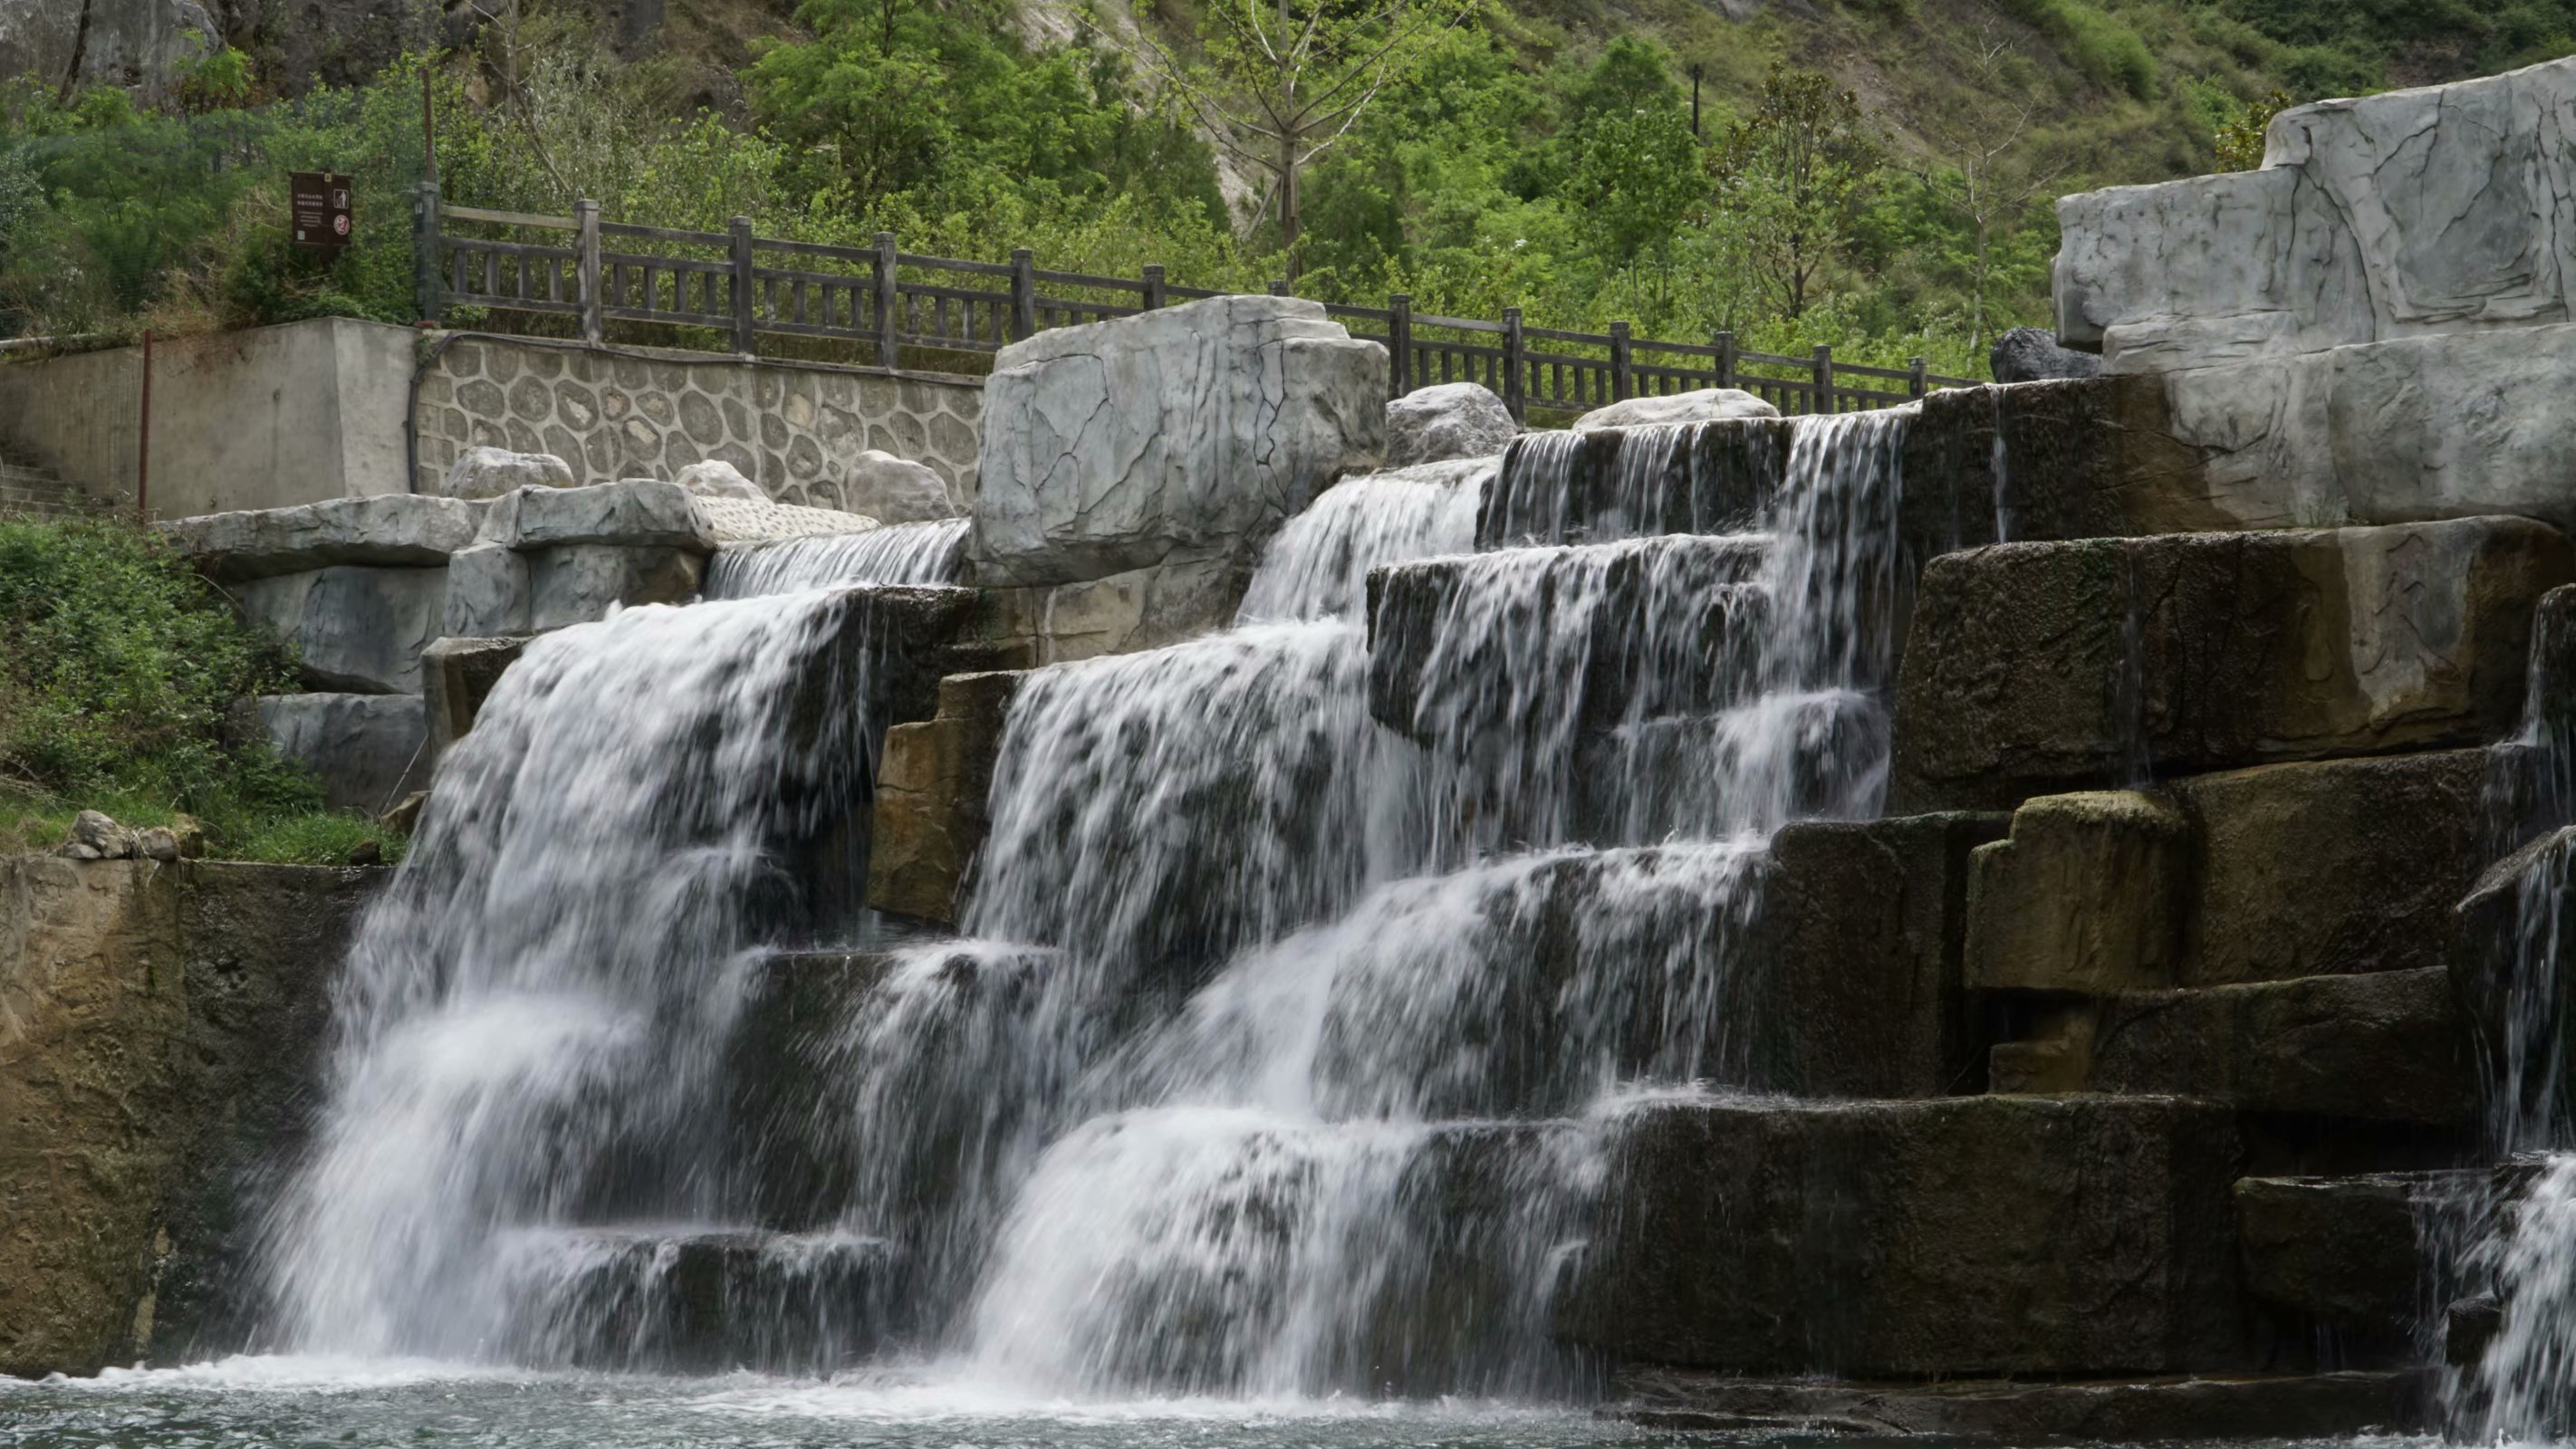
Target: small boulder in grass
(97, 837)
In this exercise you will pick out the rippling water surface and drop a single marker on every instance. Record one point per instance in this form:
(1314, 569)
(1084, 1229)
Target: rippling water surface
(303, 1401)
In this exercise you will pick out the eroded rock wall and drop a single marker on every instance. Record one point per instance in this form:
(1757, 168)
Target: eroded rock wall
(161, 1034)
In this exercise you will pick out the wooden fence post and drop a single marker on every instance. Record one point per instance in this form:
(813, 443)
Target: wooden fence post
(1622, 375)
(1515, 363)
(1915, 383)
(585, 213)
(1399, 340)
(429, 281)
(889, 302)
(1153, 286)
(1024, 296)
(1726, 359)
(1824, 394)
(745, 317)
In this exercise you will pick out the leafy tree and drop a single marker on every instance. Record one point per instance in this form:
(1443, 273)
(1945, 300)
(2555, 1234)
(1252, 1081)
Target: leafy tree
(1279, 82)
(2241, 137)
(1790, 177)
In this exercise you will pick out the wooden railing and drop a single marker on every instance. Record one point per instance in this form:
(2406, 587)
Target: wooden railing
(740, 285)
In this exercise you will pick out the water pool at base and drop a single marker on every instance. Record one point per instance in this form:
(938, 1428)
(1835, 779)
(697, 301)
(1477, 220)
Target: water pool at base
(304, 1401)
(290, 1402)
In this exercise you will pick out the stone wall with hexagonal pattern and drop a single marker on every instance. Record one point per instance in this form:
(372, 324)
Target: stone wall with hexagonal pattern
(635, 413)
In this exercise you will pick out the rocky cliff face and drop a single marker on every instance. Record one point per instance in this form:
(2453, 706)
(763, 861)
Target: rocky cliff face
(160, 1034)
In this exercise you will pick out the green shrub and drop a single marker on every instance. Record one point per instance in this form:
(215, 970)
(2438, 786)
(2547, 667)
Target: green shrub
(118, 668)
(2108, 52)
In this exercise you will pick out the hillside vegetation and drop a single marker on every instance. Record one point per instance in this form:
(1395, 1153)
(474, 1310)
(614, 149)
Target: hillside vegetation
(1874, 174)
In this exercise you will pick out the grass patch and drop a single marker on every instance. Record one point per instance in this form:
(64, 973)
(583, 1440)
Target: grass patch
(119, 668)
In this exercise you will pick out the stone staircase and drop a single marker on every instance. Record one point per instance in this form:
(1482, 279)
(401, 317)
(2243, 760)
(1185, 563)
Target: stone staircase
(30, 490)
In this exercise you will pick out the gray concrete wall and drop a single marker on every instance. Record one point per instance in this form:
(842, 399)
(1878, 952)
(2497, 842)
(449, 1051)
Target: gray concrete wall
(265, 418)
(648, 413)
(278, 416)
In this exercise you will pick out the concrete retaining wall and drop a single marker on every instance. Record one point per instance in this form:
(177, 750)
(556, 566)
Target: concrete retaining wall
(279, 416)
(266, 418)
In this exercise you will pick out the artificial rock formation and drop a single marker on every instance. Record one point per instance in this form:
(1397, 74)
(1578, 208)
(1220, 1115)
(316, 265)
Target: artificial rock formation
(894, 490)
(1177, 437)
(368, 750)
(355, 628)
(932, 777)
(2396, 215)
(392, 530)
(2035, 668)
(2029, 354)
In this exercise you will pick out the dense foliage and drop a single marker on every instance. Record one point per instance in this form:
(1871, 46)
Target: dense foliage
(1874, 174)
(121, 666)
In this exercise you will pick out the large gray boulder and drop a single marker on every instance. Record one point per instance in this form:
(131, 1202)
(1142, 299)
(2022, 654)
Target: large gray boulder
(355, 629)
(895, 490)
(384, 530)
(1183, 434)
(2428, 210)
(369, 750)
(2030, 354)
(577, 583)
(1450, 420)
(634, 512)
(491, 472)
(1707, 405)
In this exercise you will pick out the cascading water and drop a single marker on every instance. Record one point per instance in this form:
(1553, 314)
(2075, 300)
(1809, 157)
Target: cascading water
(1277, 1050)
(2513, 1238)
(902, 553)
(1256, 1104)
(532, 1021)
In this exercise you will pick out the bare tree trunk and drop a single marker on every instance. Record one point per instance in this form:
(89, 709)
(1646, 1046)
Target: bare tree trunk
(1288, 203)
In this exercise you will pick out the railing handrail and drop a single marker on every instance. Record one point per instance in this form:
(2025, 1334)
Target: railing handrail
(876, 304)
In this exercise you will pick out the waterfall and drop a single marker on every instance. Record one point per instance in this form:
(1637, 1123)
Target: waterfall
(531, 1024)
(1319, 565)
(2512, 1240)
(1302, 965)
(1277, 1053)
(901, 553)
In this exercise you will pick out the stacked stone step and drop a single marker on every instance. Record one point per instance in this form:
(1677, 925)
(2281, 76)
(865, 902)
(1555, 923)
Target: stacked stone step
(36, 492)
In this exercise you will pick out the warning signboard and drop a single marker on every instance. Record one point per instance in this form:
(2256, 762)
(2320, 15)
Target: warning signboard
(318, 210)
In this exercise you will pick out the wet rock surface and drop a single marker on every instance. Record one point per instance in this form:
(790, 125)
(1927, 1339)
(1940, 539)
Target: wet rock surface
(367, 750)
(2130, 1409)
(2037, 668)
(932, 779)
(1982, 1235)
(169, 1022)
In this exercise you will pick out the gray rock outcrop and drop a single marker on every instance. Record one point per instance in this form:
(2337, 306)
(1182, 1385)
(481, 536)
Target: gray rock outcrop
(2427, 210)
(369, 750)
(895, 490)
(491, 472)
(354, 628)
(1179, 435)
(388, 530)
(2030, 354)
(1707, 405)
(1450, 420)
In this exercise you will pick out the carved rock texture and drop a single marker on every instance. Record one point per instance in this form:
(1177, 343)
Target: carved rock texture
(1450, 420)
(2034, 668)
(2442, 209)
(1185, 434)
